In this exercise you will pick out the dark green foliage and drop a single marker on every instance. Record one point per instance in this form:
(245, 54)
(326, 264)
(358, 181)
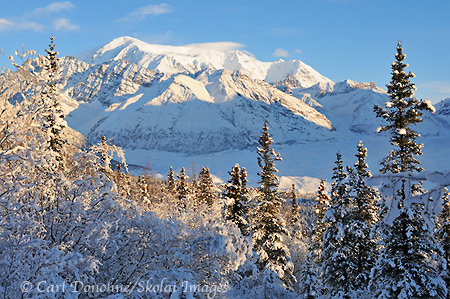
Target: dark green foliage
(349, 251)
(443, 235)
(206, 193)
(401, 113)
(269, 228)
(337, 266)
(363, 216)
(321, 207)
(310, 276)
(171, 185)
(53, 114)
(295, 211)
(236, 193)
(182, 188)
(410, 263)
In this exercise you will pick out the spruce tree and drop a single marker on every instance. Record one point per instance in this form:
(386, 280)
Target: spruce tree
(182, 188)
(269, 228)
(319, 227)
(122, 181)
(53, 113)
(171, 185)
(143, 187)
(410, 259)
(310, 276)
(244, 202)
(295, 210)
(401, 113)
(443, 235)
(338, 266)
(206, 193)
(237, 207)
(363, 216)
(410, 263)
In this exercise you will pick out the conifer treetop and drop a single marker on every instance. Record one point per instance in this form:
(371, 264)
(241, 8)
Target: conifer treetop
(400, 113)
(51, 56)
(266, 160)
(400, 87)
(361, 166)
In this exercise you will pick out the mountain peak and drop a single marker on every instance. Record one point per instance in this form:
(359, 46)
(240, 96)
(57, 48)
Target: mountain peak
(198, 57)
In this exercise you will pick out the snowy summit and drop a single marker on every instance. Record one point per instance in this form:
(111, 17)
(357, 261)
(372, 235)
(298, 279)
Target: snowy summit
(194, 58)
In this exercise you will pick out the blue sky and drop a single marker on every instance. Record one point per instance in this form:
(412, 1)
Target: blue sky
(342, 39)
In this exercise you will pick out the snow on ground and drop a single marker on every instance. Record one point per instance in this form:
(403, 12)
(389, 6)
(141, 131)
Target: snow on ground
(303, 184)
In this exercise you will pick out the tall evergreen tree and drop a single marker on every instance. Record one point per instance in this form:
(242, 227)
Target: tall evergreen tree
(410, 259)
(206, 194)
(363, 216)
(122, 181)
(171, 185)
(319, 227)
(182, 188)
(338, 266)
(244, 202)
(401, 113)
(410, 262)
(143, 186)
(310, 276)
(269, 228)
(443, 235)
(237, 206)
(295, 210)
(53, 113)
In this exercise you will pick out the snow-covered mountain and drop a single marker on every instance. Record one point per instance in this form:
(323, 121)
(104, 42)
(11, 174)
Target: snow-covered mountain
(191, 59)
(443, 108)
(213, 111)
(210, 111)
(349, 106)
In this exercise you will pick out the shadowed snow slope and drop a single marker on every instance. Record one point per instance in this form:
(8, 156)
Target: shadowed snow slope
(213, 111)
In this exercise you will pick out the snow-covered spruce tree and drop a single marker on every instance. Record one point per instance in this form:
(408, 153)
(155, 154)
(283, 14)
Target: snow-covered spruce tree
(338, 263)
(442, 234)
(295, 210)
(319, 227)
(298, 241)
(363, 216)
(142, 189)
(401, 113)
(268, 227)
(310, 276)
(409, 263)
(52, 112)
(183, 188)
(244, 199)
(122, 179)
(206, 193)
(170, 184)
(235, 193)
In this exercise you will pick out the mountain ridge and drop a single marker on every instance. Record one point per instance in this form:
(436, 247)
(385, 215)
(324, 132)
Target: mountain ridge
(193, 59)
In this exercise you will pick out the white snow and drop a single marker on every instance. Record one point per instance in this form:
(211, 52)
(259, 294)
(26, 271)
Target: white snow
(191, 59)
(304, 184)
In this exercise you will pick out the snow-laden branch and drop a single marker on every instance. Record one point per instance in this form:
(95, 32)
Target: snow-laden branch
(431, 200)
